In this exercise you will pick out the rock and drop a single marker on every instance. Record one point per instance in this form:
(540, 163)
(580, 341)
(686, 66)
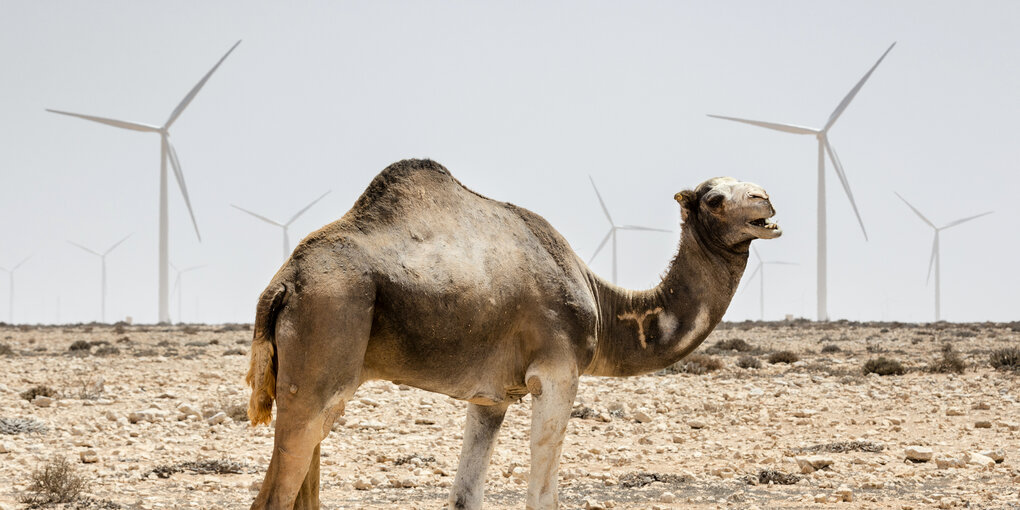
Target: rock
(1011, 425)
(363, 484)
(6, 447)
(997, 455)
(42, 401)
(188, 410)
(844, 494)
(821, 498)
(813, 463)
(218, 418)
(696, 425)
(918, 453)
(804, 413)
(982, 424)
(980, 460)
(667, 497)
(952, 411)
(950, 462)
(89, 456)
(641, 417)
(591, 504)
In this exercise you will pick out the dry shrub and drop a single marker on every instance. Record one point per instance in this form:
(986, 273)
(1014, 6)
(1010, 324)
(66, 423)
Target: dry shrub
(237, 412)
(783, 357)
(696, 364)
(107, 350)
(55, 482)
(640, 479)
(734, 344)
(830, 348)
(410, 458)
(234, 352)
(189, 330)
(202, 467)
(1007, 358)
(11, 426)
(80, 345)
(771, 476)
(35, 391)
(748, 362)
(884, 366)
(5, 350)
(845, 446)
(950, 362)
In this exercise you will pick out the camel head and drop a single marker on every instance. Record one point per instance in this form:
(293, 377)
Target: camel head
(728, 213)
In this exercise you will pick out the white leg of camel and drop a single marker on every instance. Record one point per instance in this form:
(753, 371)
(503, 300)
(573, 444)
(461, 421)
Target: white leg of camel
(480, 432)
(552, 387)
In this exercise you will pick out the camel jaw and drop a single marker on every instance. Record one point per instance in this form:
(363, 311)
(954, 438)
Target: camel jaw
(765, 228)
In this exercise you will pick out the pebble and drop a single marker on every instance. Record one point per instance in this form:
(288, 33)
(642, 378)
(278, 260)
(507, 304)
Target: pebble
(89, 456)
(813, 463)
(980, 460)
(42, 401)
(696, 425)
(667, 497)
(844, 494)
(641, 417)
(952, 411)
(591, 504)
(950, 462)
(982, 424)
(6, 447)
(998, 455)
(918, 453)
(218, 418)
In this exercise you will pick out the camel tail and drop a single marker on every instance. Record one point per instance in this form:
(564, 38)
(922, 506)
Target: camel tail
(262, 370)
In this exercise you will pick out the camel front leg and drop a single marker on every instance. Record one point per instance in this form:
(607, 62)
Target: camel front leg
(552, 389)
(480, 432)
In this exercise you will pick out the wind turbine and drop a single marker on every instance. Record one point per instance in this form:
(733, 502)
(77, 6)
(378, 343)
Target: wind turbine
(179, 288)
(284, 226)
(102, 258)
(10, 281)
(166, 152)
(935, 257)
(613, 227)
(822, 134)
(760, 268)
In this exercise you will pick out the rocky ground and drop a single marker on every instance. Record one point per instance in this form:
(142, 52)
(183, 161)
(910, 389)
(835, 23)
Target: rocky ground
(153, 417)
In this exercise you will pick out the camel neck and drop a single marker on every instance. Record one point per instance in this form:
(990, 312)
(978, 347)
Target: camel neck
(647, 330)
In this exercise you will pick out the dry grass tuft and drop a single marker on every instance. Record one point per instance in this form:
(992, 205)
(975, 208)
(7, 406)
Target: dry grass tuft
(783, 357)
(884, 366)
(950, 362)
(11, 426)
(771, 476)
(35, 391)
(748, 362)
(1007, 358)
(734, 344)
(830, 348)
(80, 345)
(845, 446)
(640, 479)
(696, 364)
(201, 467)
(5, 350)
(55, 482)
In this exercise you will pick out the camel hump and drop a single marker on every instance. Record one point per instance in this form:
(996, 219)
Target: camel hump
(263, 365)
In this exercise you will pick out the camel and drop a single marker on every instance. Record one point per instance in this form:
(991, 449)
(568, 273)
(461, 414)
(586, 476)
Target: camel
(428, 284)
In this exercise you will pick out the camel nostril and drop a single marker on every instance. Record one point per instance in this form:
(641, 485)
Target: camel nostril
(758, 194)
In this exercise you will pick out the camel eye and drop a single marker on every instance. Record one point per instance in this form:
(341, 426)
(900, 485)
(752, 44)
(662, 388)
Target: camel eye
(714, 201)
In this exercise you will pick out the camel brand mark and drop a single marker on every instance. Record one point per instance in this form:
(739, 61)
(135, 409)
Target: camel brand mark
(639, 319)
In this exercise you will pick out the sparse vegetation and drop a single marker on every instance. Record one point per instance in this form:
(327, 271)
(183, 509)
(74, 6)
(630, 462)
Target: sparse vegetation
(845, 446)
(55, 482)
(1007, 358)
(80, 345)
(884, 366)
(949, 362)
(734, 344)
(35, 391)
(11, 426)
(830, 349)
(783, 357)
(748, 362)
(696, 364)
(769, 476)
(410, 459)
(201, 467)
(107, 350)
(5, 350)
(237, 412)
(640, 479)
(234, 352)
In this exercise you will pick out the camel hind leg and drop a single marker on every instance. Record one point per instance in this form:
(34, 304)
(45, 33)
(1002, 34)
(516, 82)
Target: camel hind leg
(321, 340)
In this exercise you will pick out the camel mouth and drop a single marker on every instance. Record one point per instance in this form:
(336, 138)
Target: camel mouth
(766, 226)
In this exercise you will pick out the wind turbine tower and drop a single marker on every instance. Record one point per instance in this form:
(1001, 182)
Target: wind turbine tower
(166, 153)
(179, 288)
(102, 258)
(284, 226)
(613, 228)
(10, 285)
(935, 260)
(824, 147)
(759, 270)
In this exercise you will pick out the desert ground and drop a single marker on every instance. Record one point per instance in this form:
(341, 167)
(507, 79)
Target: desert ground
(153, 417)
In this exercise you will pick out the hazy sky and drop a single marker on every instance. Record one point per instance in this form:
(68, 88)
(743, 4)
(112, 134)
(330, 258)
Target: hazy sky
(521, 101)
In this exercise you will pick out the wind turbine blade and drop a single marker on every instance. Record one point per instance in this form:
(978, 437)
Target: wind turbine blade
(647, 229)
(853, 92)
(180, 182)
(302, 211)
(192, 268)
(111, 122)
(603, 204)
(782, 263)
(957, 222)
(789, 128)
(749, 278)
(846, 185)
(194, 90)
(16, 266)
(259, 216)
(601, 245)
(86, 249)
(116, 244)
(918, 213)
(934, 252)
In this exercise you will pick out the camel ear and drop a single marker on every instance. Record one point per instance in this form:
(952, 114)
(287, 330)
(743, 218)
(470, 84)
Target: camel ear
(687, 200)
